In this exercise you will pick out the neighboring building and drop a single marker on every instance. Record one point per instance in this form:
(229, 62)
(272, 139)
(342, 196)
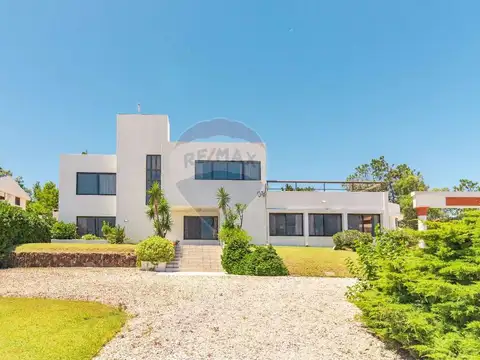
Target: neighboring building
(12, 193)
(112, 188)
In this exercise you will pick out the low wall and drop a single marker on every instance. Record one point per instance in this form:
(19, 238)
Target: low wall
(43, 259)
(79, 241)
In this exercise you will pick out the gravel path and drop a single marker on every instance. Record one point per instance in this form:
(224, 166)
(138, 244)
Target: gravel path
(219, 317)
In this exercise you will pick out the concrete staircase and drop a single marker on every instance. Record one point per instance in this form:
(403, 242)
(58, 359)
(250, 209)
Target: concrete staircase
(196, 258)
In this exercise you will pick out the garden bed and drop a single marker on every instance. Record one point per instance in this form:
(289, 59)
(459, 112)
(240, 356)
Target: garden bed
(73, 255)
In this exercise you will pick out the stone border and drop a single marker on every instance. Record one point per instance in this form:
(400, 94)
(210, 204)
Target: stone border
(45, 259)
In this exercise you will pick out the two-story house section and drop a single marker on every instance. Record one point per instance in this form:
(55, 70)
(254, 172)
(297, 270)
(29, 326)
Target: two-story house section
(113, 188)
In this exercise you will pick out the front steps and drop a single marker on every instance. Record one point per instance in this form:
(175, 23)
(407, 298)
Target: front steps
(196, 258)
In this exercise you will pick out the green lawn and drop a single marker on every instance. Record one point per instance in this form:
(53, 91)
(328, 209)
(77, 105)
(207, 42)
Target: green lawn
(311, 261)
(38, 329)
(61, 247)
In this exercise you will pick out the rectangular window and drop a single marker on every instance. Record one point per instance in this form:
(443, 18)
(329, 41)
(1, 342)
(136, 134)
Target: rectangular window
(17, 201)
(200, 227)
(363, 223)
(96, 183)
(286, 224)
(227, 170)
(324, 224)
(153, 172)
(92, 225)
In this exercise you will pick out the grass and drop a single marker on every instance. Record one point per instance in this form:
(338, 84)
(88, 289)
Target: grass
(76, 248)
(36, 329)
(311, 261)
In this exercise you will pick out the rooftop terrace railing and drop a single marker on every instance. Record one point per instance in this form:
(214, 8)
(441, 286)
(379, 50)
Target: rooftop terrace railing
(314, 185)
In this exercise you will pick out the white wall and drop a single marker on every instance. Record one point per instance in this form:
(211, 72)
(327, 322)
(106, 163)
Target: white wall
(436, 199)
(137, 136)
(10, 198)
(72, 205)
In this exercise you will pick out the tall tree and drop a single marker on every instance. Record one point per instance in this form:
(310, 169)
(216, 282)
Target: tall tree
(398, 180)
(159, 210)
(467, 185)
(47, 195)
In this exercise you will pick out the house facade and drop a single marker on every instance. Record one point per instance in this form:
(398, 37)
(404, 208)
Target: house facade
(12, 193)
(112, 188)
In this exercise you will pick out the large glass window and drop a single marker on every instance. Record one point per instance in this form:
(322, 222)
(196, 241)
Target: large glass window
(324, 224)
(200, 227)
(227, 170)
(286, 224)
(363, 223)
(92, 224)
(153, 172)
(96, 184)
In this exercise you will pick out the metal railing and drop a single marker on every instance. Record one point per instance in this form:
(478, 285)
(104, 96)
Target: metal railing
(318, 185)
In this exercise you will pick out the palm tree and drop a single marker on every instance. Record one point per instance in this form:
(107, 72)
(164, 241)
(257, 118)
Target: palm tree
(159, 210)
(223, 198)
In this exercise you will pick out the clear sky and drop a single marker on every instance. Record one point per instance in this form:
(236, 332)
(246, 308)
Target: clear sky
(328, 85)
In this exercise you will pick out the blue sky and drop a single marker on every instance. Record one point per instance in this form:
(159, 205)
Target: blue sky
(328, 85)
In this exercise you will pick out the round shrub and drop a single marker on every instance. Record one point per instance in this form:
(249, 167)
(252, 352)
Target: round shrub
(234, 252)
(155, 249)
(63, 230)
(264, 261)
(227, 234)
(346, 239)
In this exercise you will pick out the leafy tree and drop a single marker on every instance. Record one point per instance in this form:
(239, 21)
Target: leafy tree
(159, 210)
(289, 187)
(46, 195)
(467, 185)
(4, 172)
(231, 216)
(398, 180)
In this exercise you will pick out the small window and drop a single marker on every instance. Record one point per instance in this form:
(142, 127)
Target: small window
(96, 184)
(17, 201)
(324, 224)
(251, 170)
(200, 227)
(92, 225)
(363, 223)
(286, 224)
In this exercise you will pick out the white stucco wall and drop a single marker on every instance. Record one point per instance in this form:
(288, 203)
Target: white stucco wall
(72, 205)
(437, 199)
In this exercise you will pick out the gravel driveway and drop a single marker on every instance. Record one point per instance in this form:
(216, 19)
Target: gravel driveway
(213, 317)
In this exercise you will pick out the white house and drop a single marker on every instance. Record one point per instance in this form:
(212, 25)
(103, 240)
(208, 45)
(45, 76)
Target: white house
(12, 193)
(112, 188)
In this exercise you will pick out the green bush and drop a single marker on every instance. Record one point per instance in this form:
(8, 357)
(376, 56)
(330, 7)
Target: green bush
(426, 300)
(91, 237)
(19, 227)
(114, 234)
(62, 230)
(155, 249)
(234, 253)
(227, 234)
(264, 261)
(347, 239)
(239, 257)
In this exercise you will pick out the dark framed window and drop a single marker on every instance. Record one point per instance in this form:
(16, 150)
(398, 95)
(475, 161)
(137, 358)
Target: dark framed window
(96, 183)
(17, 201)
(324, 224)
(286, 224)
(227, 170)
(363, 222)
(153, 172)
(93, 224)
(200, 227)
